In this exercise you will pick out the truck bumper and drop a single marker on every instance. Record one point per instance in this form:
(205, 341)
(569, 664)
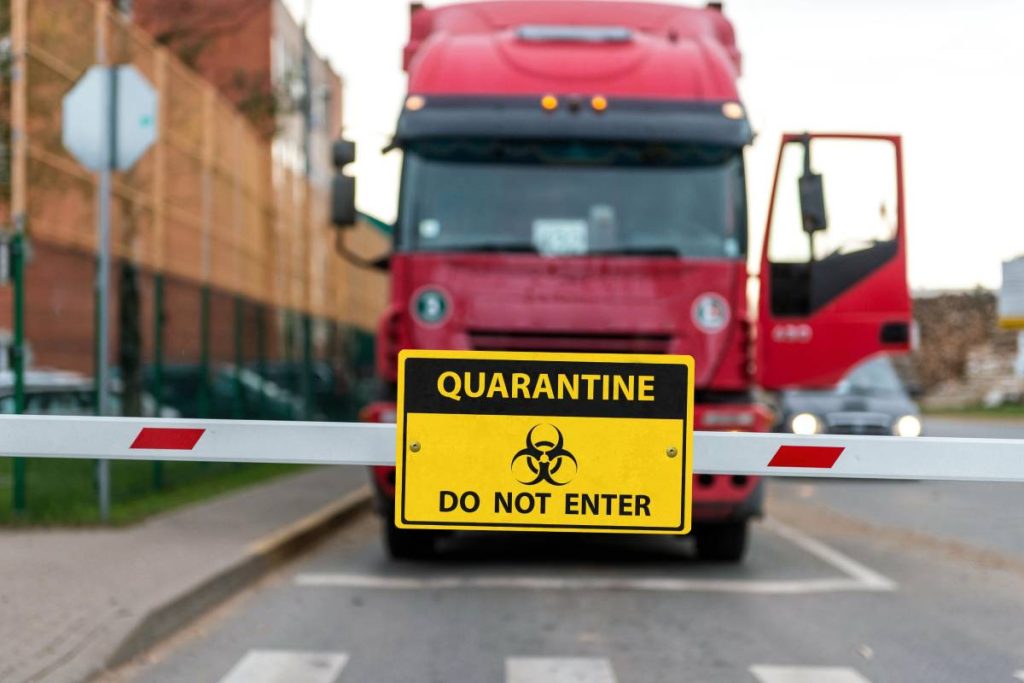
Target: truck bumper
(716, 497)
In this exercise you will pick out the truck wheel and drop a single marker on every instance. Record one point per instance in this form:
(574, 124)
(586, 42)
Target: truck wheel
(408, 544)
(722, 542)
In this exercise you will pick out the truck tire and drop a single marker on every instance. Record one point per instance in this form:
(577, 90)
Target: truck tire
(722, 542)
(408, 544)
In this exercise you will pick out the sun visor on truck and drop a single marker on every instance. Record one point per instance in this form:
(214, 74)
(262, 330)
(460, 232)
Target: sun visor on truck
(561, 118)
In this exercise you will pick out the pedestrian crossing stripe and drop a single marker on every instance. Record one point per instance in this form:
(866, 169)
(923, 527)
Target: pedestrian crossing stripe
(558, 670)
(288, 666)
(805, 674)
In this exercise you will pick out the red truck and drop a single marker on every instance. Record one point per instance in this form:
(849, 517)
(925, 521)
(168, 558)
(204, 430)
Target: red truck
(573, 180)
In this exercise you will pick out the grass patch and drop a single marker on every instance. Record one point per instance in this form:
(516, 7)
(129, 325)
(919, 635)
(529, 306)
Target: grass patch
(1003, 411)
(64, 492)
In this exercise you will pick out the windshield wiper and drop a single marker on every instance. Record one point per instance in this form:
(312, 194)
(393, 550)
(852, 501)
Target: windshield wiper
(638, 250)
(524, 248)
(493, 248)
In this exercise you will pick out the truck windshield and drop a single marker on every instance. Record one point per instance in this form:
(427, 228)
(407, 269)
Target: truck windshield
(574, 199)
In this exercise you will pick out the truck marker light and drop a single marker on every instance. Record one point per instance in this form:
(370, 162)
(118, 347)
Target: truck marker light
(599, 103)
(415, 102)
(732, 110)
(549, 103)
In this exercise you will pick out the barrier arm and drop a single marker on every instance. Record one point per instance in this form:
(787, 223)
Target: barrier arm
(358, 443)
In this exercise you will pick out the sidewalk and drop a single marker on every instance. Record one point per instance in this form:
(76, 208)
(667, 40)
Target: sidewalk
(72, 601)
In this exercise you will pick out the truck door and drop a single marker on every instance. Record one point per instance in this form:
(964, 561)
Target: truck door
(833, 279)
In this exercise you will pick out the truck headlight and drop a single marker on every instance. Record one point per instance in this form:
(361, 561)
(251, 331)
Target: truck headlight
(908, 425)
(804, 423)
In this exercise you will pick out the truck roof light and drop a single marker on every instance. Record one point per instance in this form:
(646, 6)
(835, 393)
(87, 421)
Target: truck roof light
(599, 102)
(549, 103)
(555, 33)
(415, 102)
(732, 110)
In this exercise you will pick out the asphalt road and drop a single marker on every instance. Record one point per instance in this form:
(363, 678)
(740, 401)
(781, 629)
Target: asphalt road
(845, 582)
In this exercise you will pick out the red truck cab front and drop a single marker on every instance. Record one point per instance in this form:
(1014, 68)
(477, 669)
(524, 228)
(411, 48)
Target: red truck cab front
(574, 180)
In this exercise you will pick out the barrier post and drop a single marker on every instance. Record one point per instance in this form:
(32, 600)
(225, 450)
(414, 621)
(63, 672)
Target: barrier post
(307, 366)
(239, 323)
(158, 365)
(18, 497)
(19, 178)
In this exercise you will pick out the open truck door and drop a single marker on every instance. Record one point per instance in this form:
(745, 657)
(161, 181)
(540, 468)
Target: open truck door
(833, 278)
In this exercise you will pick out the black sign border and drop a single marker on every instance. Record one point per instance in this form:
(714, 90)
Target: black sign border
(687, 482)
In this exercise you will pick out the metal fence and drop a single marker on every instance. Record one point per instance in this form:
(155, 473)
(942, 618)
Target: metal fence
(229, 298)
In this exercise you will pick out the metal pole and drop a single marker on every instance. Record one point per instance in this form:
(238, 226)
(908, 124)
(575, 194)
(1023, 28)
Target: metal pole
(18, 357)
(158, 365)
(19, 205)
(307, 153)
(103, 264)
(261, 357)
(207, 222)
(307, 366)
(204, 351)
(238, 403)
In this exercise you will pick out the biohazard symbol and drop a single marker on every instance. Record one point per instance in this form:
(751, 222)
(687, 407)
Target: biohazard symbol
(545, 460)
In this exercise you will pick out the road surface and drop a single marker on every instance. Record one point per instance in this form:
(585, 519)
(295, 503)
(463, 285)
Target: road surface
(845, 582)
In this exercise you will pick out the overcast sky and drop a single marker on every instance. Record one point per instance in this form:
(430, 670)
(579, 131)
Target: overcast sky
(945, 75)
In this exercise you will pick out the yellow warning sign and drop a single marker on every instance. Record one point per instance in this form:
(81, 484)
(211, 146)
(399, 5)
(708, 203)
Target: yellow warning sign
(544, 441)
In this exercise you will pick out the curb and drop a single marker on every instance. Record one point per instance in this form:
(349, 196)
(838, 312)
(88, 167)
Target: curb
(259, 559)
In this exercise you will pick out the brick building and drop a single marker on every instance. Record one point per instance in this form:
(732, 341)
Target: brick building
(256, 54)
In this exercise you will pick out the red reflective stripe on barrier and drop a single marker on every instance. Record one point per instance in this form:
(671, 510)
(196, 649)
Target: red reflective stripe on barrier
(167, 438)
(822, 457)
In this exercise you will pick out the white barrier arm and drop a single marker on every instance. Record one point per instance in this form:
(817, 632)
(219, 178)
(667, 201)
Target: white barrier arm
(135, 438)
(354, 443)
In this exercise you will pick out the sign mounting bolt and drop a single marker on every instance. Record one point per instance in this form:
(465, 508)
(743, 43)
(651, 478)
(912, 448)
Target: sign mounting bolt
(414, 447)
(671, 452)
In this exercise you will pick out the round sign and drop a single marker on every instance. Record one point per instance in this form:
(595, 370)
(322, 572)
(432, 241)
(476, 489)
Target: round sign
(710, 313)
(431, 306)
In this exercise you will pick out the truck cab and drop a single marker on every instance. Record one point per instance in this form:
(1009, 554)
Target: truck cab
(574, 180)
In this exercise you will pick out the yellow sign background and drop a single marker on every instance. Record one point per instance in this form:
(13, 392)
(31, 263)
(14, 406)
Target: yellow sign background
(629, 458)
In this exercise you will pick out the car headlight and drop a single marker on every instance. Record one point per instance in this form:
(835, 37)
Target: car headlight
(908, 425)
(804, 423)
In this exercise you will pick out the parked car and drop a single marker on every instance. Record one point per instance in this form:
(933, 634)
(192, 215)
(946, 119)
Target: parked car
(61, 392)
(870, 399)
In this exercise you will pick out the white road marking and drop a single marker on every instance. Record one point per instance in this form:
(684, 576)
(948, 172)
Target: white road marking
(870, 579)
(558, 670)
(856, 577)
(287, 666)
(656, 584)
(1019, 675)
(806, 674)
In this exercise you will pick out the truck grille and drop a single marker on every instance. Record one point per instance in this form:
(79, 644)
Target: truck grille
(581, 343)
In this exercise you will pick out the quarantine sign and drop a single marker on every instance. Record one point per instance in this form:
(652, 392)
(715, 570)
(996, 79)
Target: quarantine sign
(544, 442)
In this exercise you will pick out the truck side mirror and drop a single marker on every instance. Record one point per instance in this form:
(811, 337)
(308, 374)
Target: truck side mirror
(343, 187)
(812, 194)
(343, 153)
(812, 202)
(343, 201)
